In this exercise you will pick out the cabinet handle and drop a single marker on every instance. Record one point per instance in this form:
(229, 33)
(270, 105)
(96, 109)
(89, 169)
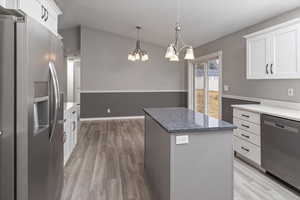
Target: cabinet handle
(74, 126)
(246, 116)
(47, 15)
(267, 69)
(245, 136)
(272, 68)
(245, 149)
(43, 12)
(243, 125)
(279, 126)
(65, 137)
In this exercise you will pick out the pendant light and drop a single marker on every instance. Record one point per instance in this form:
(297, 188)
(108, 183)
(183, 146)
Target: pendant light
(175, 48)
(138, 54)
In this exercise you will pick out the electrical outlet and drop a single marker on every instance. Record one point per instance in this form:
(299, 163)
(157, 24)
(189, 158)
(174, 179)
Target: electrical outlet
(182, 139)
(108, 110)
(226, 88)
(291, 92)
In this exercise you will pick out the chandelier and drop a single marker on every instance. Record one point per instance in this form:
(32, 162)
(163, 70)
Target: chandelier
(138, 54)
(176, 47)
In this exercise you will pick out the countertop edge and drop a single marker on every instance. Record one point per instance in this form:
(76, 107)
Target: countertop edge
(261, 111)
(216, 129)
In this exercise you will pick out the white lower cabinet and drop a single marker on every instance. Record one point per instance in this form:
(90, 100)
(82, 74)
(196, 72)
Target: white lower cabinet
(248, 150)
(70, 131)
(247, 137)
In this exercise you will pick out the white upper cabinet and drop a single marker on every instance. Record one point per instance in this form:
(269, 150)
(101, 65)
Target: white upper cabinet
(258, 56)
(3, 3)
(285, 52)
(274, 53)
(44, 11)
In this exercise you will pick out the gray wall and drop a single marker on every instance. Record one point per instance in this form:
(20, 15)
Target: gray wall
(71, 40)
(105, 67)
(234, 65)
(95, 105)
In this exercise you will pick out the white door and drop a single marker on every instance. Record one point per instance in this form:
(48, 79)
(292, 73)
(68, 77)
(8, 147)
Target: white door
(258, 57)
(207, 82)
(285, 54)
(200, 87)
(77, 81)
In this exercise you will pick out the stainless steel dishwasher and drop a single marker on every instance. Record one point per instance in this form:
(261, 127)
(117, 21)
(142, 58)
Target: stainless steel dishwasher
(281, 148)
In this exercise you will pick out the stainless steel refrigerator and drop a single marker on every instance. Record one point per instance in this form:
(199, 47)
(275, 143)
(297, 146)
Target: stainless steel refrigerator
(31, 110)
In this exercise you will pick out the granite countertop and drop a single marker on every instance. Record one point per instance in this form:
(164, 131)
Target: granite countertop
(176, 120)
(277, 111)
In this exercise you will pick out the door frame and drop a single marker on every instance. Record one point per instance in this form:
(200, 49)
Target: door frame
(191, 79)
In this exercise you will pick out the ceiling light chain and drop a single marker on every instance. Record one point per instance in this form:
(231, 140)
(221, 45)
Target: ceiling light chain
(138, 53)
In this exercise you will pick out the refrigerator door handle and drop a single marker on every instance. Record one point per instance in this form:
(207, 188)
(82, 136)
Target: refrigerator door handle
(56, 97)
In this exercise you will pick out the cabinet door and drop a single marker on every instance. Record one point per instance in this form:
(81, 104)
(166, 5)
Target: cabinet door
(258, 56)
(285, 53)
(51, 21)
(66, 139)
(3, 3)
(32, 8)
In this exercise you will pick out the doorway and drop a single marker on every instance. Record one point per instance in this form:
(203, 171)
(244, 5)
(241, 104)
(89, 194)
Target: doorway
(205, 87)
(73, 94)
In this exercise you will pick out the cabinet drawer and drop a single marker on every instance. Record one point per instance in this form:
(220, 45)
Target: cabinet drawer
(248, 150)
(247, 115)
(247, 126)
(254, 139)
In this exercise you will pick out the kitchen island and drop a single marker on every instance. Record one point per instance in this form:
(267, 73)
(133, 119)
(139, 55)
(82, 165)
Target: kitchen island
(188, 155)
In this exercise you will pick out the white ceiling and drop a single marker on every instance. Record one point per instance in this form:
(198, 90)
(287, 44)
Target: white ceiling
(202, 20)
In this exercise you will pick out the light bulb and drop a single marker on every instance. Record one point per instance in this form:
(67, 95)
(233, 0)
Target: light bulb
(131, 57)
(137, 56)
(145, 57)
(174, 58)
(189, 55)
(170, 51)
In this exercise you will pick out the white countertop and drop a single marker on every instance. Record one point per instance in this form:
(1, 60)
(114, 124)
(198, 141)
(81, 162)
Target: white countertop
(277, 111)
(69, 105)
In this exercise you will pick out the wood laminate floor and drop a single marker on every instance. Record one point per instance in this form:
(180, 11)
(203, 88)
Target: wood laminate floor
(107, 164)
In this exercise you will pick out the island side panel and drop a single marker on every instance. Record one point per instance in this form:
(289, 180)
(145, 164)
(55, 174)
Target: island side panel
(157, 158)
(203, 168)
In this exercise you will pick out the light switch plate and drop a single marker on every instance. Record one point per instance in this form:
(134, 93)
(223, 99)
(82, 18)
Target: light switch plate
(182, 139)
(291, 92)
(226, 88)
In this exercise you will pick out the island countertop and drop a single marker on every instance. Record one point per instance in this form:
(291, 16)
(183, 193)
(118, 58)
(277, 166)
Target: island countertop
(178, 120)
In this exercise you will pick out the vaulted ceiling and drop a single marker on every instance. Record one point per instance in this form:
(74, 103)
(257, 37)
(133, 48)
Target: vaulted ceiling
(202, 20)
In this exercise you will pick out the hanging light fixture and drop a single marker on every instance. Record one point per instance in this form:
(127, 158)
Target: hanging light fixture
(175, 48)
(138, 53)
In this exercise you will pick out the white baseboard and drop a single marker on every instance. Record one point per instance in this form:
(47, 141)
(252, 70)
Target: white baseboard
(112, 118)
